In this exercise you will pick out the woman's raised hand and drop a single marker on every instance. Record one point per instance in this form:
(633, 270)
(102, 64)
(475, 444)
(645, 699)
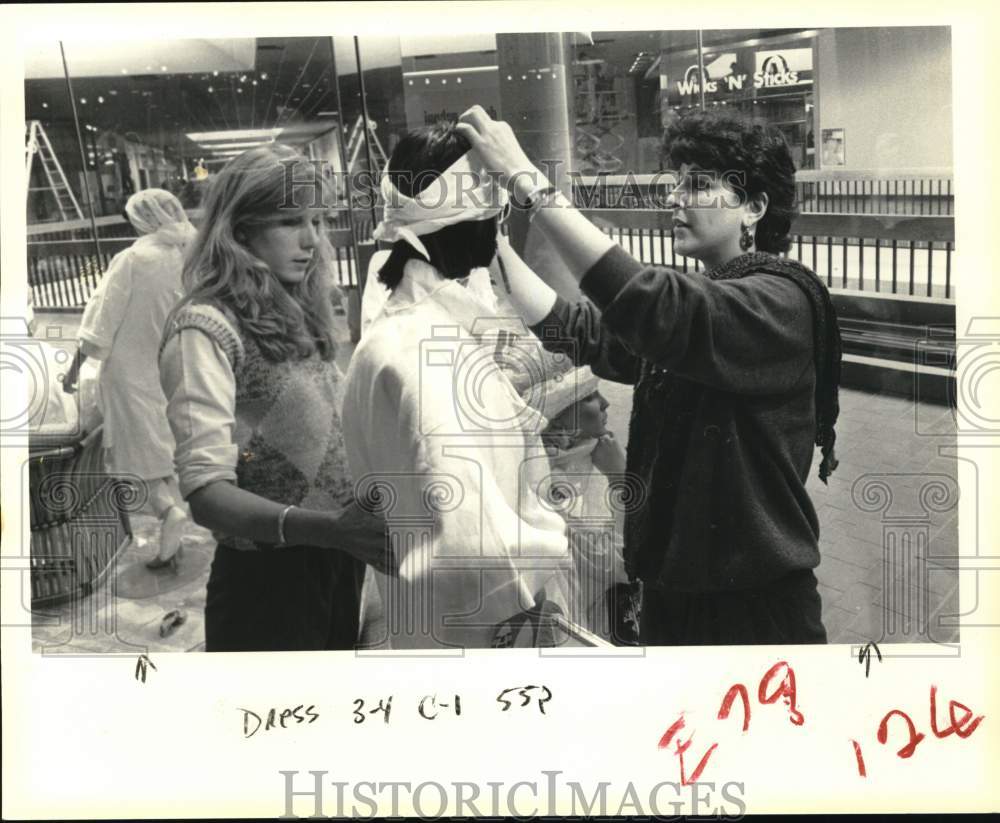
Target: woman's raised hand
(498, 150)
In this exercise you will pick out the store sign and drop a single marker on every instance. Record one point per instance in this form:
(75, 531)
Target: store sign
(719, 71)
(781, 68)
(772, 69)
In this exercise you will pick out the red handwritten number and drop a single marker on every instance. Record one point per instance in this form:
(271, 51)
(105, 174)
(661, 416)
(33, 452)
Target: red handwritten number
(958, 726)
(915, 736)
(785, 690)
(727, 703)
(861, 760)
(669, 735)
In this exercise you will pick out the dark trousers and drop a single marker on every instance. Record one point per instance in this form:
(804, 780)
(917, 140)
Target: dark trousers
(785, 611)
(296, 598)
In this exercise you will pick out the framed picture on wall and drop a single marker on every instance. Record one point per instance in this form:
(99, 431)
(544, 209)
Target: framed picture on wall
(834, 147)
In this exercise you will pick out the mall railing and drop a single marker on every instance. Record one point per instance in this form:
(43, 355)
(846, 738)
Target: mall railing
(64, 266)
(909, 255)
(870, 195)
(879, 254)
(826, 192)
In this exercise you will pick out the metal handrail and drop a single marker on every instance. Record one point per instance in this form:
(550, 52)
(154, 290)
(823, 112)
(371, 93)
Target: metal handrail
(906, 227)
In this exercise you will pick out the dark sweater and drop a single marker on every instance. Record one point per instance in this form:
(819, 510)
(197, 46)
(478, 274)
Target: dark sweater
(723, 419)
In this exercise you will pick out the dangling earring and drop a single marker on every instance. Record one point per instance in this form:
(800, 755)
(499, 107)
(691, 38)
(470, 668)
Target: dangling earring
(746, 237)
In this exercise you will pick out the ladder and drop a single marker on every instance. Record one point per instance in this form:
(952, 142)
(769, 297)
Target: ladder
(38, 143)
(356, 141)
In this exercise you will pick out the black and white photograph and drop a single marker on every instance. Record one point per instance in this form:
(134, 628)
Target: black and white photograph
(424, 343)
(606, 432)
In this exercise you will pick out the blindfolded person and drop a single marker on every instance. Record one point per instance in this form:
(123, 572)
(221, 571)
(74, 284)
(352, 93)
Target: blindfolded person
(450, 451)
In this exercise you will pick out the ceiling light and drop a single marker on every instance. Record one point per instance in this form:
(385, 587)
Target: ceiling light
(460, 69)
(234, 134)
(249, 144)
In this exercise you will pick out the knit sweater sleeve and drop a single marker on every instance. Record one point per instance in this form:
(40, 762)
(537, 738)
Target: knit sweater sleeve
(576, 329)
(751, 335)
(198, 359)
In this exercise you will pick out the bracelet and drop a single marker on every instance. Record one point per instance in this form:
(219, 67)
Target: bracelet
(281, 524)
(537, 182)
(540, 199)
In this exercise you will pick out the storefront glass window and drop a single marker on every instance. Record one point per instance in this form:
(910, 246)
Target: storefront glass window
(159, 113)
(866, 113)
(766, 75)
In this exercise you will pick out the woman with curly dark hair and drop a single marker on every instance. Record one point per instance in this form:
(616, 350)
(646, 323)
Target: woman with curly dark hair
(735, 372)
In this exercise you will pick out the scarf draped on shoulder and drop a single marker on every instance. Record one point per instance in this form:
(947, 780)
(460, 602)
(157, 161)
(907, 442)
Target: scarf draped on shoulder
(826, 339)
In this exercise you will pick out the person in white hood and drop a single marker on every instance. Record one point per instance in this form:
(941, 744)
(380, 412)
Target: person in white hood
(122, 325)
(438, 440)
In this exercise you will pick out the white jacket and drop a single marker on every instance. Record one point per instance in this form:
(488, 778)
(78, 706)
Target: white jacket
(430, 416)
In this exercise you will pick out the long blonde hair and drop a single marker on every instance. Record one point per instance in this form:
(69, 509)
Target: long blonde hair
(285, 322)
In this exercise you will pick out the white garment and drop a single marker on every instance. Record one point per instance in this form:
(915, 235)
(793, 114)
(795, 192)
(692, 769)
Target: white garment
(376, 295)
(152, 210)
(458, 195)
(121, 326)
(428, 413)
(596, 534)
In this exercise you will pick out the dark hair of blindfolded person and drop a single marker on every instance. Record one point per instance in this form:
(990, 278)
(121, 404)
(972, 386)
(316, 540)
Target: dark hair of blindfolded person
(419, 158)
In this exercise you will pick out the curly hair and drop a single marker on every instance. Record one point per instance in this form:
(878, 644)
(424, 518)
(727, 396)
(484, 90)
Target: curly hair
(726, 143)
(284, 321)
(418, 159)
